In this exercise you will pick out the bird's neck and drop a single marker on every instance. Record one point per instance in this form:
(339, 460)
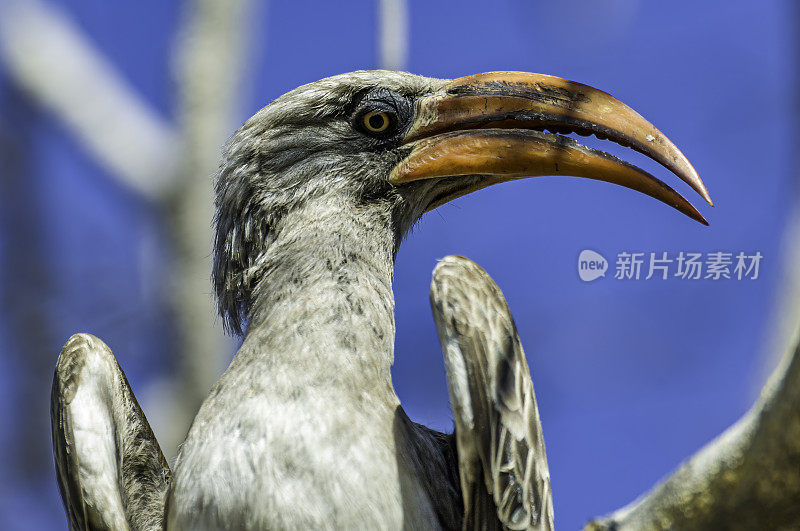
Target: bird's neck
(323, 309)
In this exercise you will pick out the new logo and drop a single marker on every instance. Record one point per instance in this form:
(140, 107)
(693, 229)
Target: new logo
(591, 265)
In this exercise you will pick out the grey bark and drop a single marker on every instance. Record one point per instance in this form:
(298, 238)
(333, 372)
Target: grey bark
(748, 477)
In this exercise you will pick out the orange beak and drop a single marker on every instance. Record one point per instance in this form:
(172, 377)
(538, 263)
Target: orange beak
(493, 125)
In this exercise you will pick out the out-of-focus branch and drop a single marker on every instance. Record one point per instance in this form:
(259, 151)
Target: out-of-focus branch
(393, 34)
(26, 276)
(208, 71)
(747, 478)
(786, 313)
(49, 57)
(787, 308)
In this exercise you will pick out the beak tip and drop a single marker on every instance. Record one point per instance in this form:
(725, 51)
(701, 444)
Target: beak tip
(697, 216)
(705, 195)
(693, 179)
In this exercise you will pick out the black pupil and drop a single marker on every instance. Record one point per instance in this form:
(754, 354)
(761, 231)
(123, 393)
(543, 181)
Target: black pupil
(376, 121)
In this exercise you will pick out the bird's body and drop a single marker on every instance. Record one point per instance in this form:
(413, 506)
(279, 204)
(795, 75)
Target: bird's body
(304, 429)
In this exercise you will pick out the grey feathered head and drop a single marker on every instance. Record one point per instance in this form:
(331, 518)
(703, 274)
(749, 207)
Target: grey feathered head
(308, 142)
(405, 144)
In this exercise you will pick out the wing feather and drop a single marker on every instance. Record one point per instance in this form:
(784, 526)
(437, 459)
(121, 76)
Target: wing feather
(503, 466)
(110, 469)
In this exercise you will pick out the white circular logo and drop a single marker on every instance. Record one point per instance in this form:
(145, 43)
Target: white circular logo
(591, 265)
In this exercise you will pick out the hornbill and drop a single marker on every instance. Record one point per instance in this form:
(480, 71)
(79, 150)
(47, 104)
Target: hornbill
(304, 429)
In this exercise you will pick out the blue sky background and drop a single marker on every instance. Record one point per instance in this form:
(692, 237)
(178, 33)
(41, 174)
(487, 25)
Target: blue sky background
(631, 376)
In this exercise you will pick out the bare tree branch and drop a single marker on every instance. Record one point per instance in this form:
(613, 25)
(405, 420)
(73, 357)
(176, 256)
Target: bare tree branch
(393, 34)
(747, 478)
(27, 277)
(47, 55)
(208, 70)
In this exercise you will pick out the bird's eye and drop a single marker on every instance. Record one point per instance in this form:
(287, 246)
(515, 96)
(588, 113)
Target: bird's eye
(376, 121)
(380, 114)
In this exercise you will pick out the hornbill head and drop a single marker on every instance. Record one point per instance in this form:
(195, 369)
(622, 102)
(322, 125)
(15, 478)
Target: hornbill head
(400, 145)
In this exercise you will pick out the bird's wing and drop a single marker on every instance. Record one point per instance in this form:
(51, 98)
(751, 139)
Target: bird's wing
(110, 469)
(502, 462)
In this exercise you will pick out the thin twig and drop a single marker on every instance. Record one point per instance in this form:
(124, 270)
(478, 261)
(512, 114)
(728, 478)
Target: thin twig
(393, 34)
